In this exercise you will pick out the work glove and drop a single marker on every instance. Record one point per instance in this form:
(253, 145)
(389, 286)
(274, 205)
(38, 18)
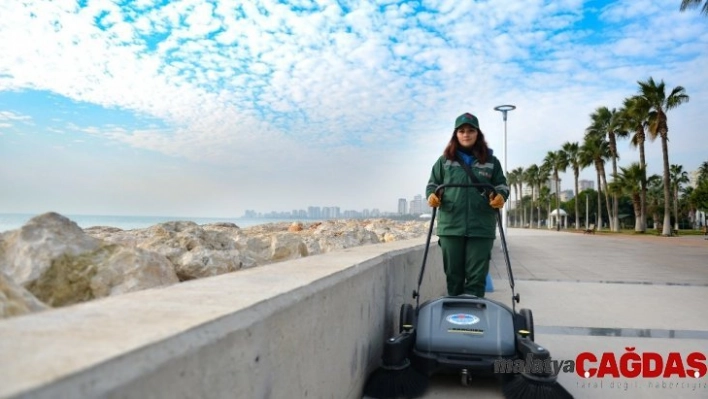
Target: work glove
(496, 201)
(433, 200)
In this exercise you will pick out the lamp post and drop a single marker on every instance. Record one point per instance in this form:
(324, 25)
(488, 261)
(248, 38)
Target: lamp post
(504, 109)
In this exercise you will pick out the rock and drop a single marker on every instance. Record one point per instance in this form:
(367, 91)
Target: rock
(286, 246)
(51, 260)
(15, 300)
(27, 253)
(295, 227)
(59, 264)
(194, 251)
(132, 269)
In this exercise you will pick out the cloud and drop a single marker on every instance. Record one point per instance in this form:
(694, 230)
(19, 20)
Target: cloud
(289, 93)
(11, 116)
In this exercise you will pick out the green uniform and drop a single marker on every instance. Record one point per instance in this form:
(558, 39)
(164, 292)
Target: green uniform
(466, 222)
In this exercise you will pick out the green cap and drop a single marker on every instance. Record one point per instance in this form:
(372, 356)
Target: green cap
(467, 118)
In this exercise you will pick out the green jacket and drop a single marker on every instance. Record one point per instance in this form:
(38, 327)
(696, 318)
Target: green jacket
(464, 211)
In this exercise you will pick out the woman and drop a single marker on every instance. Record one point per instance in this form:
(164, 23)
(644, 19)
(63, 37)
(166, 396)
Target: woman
(467, 216)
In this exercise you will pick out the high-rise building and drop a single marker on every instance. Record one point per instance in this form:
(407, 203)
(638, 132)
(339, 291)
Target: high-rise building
(566, 195)
(586, 184)
(314, 212)
(693, 178)
(416, 207)
(330, 212)
(402, 206)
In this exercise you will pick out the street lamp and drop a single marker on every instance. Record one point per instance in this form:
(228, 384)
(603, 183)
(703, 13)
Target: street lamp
(504, 109)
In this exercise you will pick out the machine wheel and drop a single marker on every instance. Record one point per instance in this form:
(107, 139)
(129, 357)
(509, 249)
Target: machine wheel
(527, 317)
(406, 318)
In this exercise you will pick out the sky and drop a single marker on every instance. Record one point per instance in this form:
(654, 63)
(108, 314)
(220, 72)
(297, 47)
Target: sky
(210, 108)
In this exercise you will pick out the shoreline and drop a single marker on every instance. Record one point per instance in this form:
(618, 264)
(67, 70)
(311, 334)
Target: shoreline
(14, 221)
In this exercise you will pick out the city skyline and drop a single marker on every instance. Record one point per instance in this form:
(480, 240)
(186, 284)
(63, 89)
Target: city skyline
(420, 207)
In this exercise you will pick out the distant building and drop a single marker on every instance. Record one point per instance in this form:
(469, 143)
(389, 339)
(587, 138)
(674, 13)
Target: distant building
(416, 207)
(566, 195)
(551, 184)
(402, 206)
(693, 178)
(349, 214)
(330, 212)
(250, 214)
(585, 185)
(314, 212)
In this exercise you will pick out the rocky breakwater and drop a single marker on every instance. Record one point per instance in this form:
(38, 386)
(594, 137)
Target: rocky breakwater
(51, 261)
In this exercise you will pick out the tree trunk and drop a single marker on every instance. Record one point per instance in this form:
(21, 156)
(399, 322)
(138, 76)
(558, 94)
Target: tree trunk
(615, 201)
(521, 202)
(598, 219)
(533, 201)
(676, 220)
(577, 215)
(610, 221)
(643, 164)
(666, 231)
(516, 205)
(637, 204)
(538, 208)
(558, 201)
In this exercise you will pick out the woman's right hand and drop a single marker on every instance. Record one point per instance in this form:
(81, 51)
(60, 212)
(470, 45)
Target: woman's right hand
(433, 200)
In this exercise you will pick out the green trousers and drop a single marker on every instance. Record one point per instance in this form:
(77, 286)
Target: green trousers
(466, 261)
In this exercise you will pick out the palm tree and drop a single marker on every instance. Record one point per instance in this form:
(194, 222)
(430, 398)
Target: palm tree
(544, 197)
(606, 122)
(595, 151)
(531, 177)
(629, 181)
(544, 174)
(636, 118)
(678, 177)
(703, 172)
(691, 204)
(511, 181)
(556, 162)
(519, 172)
(694, 4)
(655, 95)
(572, 152)
(655, 199)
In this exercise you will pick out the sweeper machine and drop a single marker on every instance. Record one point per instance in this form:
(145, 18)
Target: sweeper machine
(465, 335)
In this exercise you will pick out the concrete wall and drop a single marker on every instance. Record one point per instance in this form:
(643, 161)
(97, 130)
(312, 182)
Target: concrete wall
(309, 328)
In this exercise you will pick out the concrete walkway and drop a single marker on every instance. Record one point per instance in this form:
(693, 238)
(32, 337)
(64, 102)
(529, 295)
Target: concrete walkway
(602, 293)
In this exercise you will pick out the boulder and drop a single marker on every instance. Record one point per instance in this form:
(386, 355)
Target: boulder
(194, 251)
(60, 265)
(295, 227)
(15, 300)
(27, 253)
(286, 246)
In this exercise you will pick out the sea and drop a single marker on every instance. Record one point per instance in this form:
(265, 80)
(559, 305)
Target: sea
(12, 221)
